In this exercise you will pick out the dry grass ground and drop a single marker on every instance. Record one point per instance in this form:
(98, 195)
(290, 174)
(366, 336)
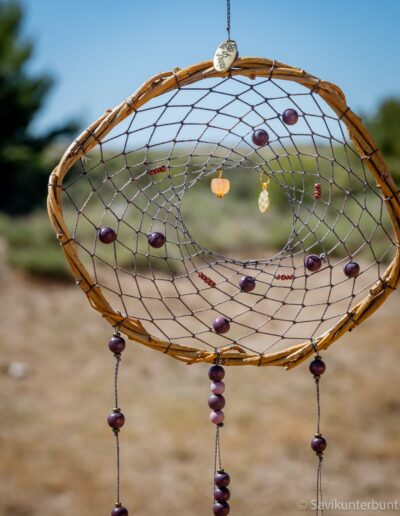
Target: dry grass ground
(57, 453)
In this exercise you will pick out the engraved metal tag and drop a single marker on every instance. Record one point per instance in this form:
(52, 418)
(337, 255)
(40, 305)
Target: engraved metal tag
(225, 56)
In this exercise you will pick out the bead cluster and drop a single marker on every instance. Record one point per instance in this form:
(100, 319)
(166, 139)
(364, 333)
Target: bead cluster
(216, 401)
(284, 277)
(206, 279)
(158, 170)
(221, 493)
(317, 191)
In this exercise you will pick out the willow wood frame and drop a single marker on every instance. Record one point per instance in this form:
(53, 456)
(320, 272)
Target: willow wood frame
(250, 67)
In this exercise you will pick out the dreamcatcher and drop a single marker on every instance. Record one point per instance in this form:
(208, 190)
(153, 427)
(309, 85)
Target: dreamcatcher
(115, 202)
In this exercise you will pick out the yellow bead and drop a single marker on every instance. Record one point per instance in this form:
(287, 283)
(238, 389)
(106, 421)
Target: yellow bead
(220, 186)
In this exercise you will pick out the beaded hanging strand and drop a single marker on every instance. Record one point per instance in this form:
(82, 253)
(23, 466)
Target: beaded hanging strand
(216, 402)
(318, 443)
(116, 418)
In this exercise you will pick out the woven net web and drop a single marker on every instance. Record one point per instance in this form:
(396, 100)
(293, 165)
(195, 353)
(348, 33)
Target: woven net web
(153, 173)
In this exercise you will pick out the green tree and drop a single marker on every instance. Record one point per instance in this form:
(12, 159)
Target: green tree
(24, 157)
(385, 126)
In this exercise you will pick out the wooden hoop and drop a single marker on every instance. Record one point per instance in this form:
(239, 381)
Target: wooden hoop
(250, 67)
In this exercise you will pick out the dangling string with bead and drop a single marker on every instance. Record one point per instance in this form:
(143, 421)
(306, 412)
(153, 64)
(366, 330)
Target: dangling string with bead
(116, 418)
(318, 443)
(216, 402)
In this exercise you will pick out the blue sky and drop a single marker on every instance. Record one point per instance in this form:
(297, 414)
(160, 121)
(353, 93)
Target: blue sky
(99, 51)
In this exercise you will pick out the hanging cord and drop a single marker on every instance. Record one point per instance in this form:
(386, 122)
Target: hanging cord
(319, 508)
(217, 459)
(317, 388)
(116, 371)
(118, 490)
(317, 368)
(116, 430)
(319, 505)
(228, 18)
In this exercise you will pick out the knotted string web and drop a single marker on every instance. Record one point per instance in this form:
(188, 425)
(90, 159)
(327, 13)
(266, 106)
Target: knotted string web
(153, 173)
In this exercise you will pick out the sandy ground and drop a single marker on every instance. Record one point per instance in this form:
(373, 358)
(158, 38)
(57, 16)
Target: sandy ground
(57, 453)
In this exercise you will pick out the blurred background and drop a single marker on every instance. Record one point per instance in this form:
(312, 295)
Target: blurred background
(61, 65)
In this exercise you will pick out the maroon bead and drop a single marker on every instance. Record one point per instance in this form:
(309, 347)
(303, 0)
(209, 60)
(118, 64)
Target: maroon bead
(290, 116)
(313, 262)
(318, 444)
(222, 479)
(352, 269)
(116, 419)
(116, 344)
(247, 284)
(216, 373)
(119, 511)
(222, 494)
(221, 509)
(216, 402)
(156, 239)
(221, 325)
(317, 367)
(260, 137)
(106, 235)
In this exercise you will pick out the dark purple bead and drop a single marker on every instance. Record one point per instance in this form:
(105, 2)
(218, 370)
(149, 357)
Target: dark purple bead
(313, 262)
(221, 509)
(221, 325)
(318, 444)
(116, 419)
(352, 269)
(156, 239)
(222, 479)
(216, 402)
(216, 373)
(221, 494)
(317, 367)
(106, 235)
(116, 344)
(260, 137)
(119, 511)
(247, 284)
(290, 116)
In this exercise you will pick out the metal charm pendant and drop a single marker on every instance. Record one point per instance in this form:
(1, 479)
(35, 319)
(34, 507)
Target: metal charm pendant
(263, 201)
(225, 56)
